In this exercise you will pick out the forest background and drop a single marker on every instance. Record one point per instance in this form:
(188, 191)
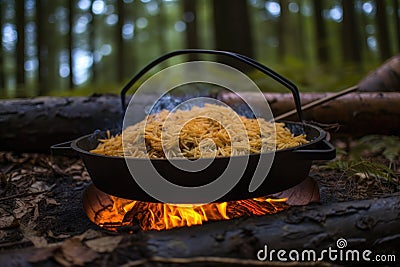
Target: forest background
(81, 47)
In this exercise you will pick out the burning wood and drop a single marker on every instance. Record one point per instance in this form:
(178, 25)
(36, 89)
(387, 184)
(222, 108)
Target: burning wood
(114, 212)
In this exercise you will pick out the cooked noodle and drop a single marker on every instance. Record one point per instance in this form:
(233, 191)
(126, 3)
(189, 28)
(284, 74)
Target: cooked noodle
(207, 131)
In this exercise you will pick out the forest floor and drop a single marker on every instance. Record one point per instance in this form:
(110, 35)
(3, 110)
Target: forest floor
(41, 204)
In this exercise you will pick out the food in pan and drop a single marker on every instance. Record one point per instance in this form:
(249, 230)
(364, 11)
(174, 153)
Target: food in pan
(199, 132)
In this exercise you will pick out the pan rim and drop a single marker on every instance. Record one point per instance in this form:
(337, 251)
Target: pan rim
(320, 137)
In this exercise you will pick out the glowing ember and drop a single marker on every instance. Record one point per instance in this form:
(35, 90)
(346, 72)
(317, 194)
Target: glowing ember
(159, 216)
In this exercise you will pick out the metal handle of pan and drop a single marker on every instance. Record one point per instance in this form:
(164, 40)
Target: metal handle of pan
(63, 149)
(269, 72)
(324, 151)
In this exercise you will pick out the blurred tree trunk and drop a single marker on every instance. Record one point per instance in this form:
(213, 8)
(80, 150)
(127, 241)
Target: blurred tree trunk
(71, 43)
(162, 21)
(190, 17)
(2, 74)
(20, 23)
(133, 55)
(92, 43)
(120, 42)
(320, 32)
(299, 32)
(232, 27)
(350, 34)
(52, 52)
(397, 22)
(41, 15)
(366, 51)
(382, 30)
(283, 30)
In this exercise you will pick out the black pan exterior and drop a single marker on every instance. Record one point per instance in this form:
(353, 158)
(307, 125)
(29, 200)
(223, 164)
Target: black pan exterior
(290, 166)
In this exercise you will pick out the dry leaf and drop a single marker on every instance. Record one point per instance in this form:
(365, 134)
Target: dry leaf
(8, 222)
(104, 244)
(51, 201)
(31, 234)
(76, 253)
(39, 186)
(89, 234)
(26, 204)
(38, 241)
(74, 168)
(3, 234)
(59, 257)
(84, 177)
(23, 207)
(38, 170)
(301, 194)
(43, 254)
(70, 253)
(60, 236)
(16, 176)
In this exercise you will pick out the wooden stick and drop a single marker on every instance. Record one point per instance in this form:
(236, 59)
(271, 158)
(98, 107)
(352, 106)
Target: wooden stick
(23, 195)
(318, 102)
(384, 78)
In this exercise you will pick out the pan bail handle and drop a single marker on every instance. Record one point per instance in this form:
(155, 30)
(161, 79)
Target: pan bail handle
(269, 72)
(63, 149)
(324, 151)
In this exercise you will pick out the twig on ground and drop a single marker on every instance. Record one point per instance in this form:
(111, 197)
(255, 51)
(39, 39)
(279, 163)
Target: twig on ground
(23, 195)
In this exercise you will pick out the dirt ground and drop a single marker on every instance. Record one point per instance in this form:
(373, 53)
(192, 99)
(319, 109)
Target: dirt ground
(41, 207)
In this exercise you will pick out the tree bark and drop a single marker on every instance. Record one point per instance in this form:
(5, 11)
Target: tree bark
(190, 17)
(20, 63)
(70, 40)
(120, 42)
(371, 224)
(3, 91)
(397, 23)
(320, 32)
(283, 29)
(232, 27)
(300, 33)
(92, 42)
(162, 21)
(382, 31)
(386, 78)
(41, 47)
(36, 124)
(52, 47)
(356, 114)
(350, 34)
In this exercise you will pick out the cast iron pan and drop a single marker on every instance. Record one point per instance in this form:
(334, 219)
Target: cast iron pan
(290, 166)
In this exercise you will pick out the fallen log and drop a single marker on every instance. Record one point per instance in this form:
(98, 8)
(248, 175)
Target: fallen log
(356, 114)
(36, 124)
(365, 224)
(372, 224)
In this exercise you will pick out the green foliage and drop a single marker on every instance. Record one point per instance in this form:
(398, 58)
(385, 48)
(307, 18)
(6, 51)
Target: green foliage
(389, 146)
(355, 162)
(88, 90)
(287, 42)
(310, 78)
(362, 168)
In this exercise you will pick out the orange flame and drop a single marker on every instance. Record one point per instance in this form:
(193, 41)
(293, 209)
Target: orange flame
(159, 216)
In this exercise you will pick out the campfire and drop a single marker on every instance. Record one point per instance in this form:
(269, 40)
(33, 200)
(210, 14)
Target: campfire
(111, 213)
